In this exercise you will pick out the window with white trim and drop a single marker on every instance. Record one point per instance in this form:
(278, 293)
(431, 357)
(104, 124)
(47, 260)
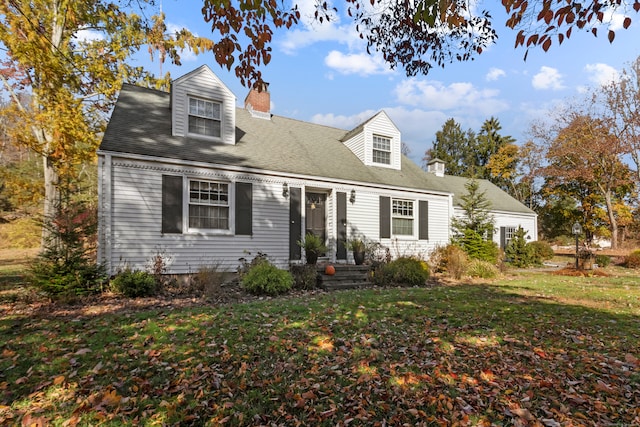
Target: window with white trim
(205, 117)
(402, 217)
(208, 205)
(381, 150)
(509, 234)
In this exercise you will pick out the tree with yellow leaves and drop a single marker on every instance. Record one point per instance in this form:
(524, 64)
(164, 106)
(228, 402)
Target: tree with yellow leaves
(70, 57)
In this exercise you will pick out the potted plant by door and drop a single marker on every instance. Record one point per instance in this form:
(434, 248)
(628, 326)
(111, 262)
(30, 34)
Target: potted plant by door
(359, 248)
(313, 247)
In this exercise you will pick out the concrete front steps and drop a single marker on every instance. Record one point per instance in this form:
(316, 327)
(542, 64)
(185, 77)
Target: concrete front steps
(346, 277)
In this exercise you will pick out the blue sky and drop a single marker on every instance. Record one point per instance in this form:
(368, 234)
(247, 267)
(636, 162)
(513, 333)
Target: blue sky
(322, 74)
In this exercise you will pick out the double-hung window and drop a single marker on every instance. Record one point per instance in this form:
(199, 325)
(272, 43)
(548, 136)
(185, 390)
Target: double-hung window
(208, 205)
(205, 117)
(509, 234)
(402, 217)
(381, 150)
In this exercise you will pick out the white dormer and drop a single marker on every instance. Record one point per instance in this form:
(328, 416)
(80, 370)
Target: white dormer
(376, 142)
(203, 107)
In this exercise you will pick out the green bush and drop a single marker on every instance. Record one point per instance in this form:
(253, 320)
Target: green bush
(403, 271)
(266, 278)
(518, 253)
(477, 247)
(246, 265)
(66, 278)
(542, 251)
(134, 283)
(482, 269)
(633, 259)
(305, 276)
(603, 260)
(66, 267)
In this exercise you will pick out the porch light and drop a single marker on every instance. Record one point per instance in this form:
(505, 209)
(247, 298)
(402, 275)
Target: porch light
(352, 197)
(285, 190)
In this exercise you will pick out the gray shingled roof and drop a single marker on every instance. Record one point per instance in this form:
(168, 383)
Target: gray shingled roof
(141, 124)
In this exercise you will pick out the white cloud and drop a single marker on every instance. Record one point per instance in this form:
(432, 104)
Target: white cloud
(88, 36)
(601, 74)
(547, 78)
(356, 63)
(341, 121)
(311, 31)
(456, 97)
(494, 74)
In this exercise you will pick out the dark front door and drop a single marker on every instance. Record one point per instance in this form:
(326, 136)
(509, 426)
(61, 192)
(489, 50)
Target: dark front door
(315, 212)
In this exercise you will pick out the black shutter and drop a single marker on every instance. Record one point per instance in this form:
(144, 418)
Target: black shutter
(423, 220)
(244, 208)
(295, 222)
(341, 214)
(171, 204)
(385, 217)
(503, 237)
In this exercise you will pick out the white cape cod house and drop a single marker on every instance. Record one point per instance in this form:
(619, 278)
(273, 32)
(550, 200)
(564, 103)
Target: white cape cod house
(190, 176)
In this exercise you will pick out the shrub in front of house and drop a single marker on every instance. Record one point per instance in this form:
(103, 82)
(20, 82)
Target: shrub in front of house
(265, 278)
(406, 271)
(450, 259)
(633, 259)
(542, 251)
(134, 283)
(603, 260)
(477, 247)
(482, 269)
(305, 276)
(518, 252)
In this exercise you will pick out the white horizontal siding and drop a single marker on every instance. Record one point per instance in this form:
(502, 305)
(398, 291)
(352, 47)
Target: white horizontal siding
(529, 222)
(357, 145)
(136, 218)
(363, 219)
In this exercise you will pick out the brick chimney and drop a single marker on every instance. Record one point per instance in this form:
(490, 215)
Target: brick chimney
(258, 102)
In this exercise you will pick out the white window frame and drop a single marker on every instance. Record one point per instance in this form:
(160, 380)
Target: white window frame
(204, 116)
(399, 207)
(376, 140)
(228, 203)
(509, 234)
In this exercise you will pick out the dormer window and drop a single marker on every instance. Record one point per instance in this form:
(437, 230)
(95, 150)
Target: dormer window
(205, 117)
(381, 150)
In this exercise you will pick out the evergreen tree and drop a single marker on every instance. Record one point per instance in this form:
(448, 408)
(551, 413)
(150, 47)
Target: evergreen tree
(474, 230)
(454, 147)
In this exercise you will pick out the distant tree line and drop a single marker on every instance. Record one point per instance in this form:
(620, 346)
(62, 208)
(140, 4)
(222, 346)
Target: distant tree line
(580, 164)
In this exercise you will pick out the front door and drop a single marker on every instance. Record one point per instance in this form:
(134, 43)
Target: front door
(315, 213)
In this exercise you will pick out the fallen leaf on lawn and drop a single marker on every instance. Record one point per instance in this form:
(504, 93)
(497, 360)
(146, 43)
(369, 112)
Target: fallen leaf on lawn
(83, 351)
(111, 398)
(601, 386)
(550, 423)
(58, 380)
(522, 413)
(97, 368)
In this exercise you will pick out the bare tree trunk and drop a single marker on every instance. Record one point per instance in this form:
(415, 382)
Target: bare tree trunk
(613, 223)
(51, 199)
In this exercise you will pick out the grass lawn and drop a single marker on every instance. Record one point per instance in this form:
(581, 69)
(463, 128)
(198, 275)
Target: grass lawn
(531, 349)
